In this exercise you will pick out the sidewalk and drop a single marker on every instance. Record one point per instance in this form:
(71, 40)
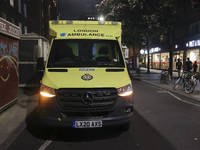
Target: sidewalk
(154, 78)
(14, 119)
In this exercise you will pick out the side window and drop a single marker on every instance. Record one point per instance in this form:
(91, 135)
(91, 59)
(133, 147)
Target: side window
(116, 57)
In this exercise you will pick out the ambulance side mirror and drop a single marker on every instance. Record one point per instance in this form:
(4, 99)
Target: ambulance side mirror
(40, 64)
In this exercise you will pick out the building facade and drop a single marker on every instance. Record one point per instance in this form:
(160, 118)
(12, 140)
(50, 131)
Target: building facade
(29, 15)
(40, 12)
(32, 17)
(15, 12)
(186, 44)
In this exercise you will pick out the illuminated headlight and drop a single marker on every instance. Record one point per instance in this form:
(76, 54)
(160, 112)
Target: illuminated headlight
(125, 91)
(47, 91)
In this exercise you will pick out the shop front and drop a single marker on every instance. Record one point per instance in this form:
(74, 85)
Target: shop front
(9, 36)
(150, 61)
(156, 60)
(164, 61)
(159, 59)
(193, 51)
(193, 54)
(177, 55)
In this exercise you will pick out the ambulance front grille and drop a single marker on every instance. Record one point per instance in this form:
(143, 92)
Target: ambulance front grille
(87, 99)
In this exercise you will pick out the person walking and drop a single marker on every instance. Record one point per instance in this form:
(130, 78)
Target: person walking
(178, 67)
(195, 67)
(188, 65)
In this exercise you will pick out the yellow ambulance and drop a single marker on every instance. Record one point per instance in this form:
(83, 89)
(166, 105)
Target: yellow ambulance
(85, 82)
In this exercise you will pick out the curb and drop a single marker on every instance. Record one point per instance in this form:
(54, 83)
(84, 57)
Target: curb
(190, 98)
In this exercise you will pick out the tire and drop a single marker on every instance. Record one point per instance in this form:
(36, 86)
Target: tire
(190, 86)
(169, 79)
(176, 84)
(162, 78)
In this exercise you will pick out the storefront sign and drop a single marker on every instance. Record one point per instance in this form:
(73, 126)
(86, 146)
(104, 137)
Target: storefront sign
(156, 49)
(142, 51)
(152, 50)
(9, 29)
(193, 43)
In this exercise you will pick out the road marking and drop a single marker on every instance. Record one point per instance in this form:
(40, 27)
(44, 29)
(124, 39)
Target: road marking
(170, 94)
(178, 98)
(190, 103)
(162, 91)
(47, 143)
(175, 96)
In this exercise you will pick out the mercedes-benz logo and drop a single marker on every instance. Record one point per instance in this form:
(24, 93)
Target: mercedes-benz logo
(87, 98)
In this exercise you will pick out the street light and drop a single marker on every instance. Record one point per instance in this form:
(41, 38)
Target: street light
(142, 51)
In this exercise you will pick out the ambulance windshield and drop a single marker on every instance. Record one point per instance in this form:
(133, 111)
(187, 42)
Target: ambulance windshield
(85, 53)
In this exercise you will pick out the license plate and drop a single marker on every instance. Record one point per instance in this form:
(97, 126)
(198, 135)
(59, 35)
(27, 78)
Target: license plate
(87, 124)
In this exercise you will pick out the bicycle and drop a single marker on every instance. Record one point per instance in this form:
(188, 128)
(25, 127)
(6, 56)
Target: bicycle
(165, 77)
(191, 84)
(182, 80)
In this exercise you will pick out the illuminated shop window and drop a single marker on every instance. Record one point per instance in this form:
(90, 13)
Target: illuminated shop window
(164, 60)
(156, 61)
(193, 55)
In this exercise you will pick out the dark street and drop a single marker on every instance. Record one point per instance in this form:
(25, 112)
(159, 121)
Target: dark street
(160, 122)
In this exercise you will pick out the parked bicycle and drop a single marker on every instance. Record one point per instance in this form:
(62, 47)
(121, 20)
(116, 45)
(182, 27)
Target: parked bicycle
(165, 77)
(188, 81)
(191, 84)
(182, 80)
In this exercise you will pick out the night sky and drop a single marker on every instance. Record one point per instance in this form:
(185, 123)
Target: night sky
(73, 9)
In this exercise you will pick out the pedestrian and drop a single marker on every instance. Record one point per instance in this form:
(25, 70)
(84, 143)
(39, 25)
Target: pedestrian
(188, 65)
(195, 67)
(178, 67)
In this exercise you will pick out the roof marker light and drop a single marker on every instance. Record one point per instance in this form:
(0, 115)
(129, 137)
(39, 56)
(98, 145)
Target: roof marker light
(114, 22)
(69, 22)
(101, 22)
(55, 21)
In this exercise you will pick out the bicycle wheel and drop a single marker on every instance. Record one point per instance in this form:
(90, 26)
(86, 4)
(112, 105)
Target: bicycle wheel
(190, 86)
(162, 78)
(169, 79)
(176, 84)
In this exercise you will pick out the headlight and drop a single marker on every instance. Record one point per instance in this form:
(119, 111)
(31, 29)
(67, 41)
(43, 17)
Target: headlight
(125, 91)
(47, 91)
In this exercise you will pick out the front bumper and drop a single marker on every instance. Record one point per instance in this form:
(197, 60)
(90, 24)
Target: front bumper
(52, 114)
